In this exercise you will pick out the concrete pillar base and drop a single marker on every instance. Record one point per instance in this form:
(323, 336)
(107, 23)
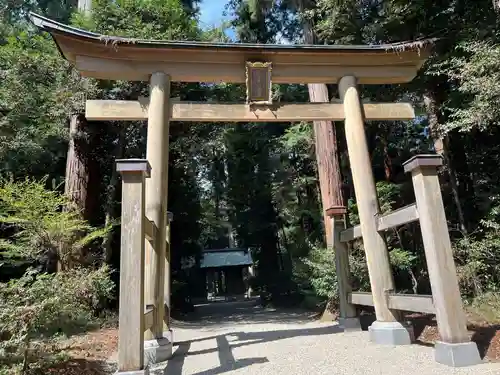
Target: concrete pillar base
(391, 333)
(350, 324)
(158, 350)
(136, 372)
(457, 355)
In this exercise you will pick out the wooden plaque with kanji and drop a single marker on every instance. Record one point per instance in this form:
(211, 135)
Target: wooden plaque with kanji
(259, 82)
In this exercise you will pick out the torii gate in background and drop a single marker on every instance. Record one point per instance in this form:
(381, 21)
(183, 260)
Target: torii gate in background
(145, 271)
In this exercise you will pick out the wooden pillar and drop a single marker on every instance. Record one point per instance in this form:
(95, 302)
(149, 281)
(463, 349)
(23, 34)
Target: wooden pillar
(156, 197)
(131, 308)
(377, 257)
(450, 315)
(167, 280)
(348, 316)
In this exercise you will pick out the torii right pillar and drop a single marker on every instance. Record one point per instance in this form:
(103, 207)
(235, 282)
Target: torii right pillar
(387, 329)
(454, 347)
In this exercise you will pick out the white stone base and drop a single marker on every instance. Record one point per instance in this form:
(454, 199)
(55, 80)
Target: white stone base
(457, 355)
(391, 333)
(158, 350)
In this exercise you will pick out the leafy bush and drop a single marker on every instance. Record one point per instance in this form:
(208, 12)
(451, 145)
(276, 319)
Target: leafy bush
(486, 307)
(44, 229)
(40, 227)
(323, 277)
(39, 307)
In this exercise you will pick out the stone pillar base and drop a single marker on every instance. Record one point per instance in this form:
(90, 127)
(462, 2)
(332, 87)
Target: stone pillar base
(350, 324)
(158, 350)
(136, 372)
(457, 355)
(391, 333)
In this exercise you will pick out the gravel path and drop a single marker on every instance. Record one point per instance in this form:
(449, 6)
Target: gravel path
(241, 338)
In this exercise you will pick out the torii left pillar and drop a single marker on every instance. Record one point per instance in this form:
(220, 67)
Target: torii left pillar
(158, 346)
(387, 329)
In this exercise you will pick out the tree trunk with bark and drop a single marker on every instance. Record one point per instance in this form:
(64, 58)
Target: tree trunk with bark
(77, 176)
(82, 181)
(327, 158)
(330, 178)
(433, 99)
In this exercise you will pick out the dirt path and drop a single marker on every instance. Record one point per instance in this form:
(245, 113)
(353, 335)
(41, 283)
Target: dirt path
(242, 338)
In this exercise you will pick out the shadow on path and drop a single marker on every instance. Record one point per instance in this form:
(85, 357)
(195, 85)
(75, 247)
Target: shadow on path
(233, 314)
(253, 338)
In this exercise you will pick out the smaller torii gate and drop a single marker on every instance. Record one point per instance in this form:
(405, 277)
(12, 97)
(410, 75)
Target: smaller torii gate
(145, 271)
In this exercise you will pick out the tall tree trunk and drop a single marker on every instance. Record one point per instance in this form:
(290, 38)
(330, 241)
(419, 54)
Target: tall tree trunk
(83, 180)
(330, 178)
(433, 101)
(387, 159)
(77, 176)
(327, 159)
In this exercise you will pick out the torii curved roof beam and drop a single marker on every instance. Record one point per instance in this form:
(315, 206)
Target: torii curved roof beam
(111, 57)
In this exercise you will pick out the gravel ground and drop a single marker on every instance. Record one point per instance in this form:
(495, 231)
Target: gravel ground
(241, 338)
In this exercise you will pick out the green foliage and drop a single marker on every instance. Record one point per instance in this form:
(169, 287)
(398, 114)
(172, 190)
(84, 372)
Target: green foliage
(486, 307)
(478, 254)
(323, 278)
(474, 69)
(38, 91)
(145, 19)
(39, 307)
(44, 229)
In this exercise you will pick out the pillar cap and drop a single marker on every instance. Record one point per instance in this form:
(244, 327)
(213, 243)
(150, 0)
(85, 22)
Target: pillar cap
(336, 210)
(423, 160)
(133, 166)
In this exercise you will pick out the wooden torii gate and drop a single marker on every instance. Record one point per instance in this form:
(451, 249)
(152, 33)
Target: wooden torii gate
(145, 271)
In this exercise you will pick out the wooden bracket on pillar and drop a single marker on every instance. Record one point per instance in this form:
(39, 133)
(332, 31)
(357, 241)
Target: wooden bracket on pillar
(336, 211)
(134, 166)
(423, 161)
(131, 311)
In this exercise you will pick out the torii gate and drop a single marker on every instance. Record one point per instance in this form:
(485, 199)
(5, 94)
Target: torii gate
(145, 271)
